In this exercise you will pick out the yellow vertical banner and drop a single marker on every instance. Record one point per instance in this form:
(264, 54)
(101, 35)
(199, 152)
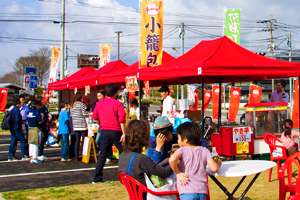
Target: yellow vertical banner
(105, 53)
(55, 53)
(151, 33)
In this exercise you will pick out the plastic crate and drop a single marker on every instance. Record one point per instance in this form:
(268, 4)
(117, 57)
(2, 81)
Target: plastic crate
(264, 156)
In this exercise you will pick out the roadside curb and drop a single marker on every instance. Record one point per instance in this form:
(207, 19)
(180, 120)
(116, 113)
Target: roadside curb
(1, 198)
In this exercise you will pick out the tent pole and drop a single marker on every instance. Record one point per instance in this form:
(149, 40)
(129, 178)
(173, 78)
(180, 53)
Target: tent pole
(69, 97)
(202, 109)
(220, 99)
(59, 100)
(298, 101)
(140, 99)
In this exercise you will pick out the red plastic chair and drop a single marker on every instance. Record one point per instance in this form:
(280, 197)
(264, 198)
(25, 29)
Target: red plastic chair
(293, 189)
(135, 189)
(272, 141)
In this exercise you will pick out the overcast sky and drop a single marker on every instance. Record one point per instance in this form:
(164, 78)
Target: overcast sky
(28, 24)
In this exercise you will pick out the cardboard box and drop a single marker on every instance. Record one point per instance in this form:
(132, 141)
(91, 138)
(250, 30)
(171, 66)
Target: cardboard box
(193, 115)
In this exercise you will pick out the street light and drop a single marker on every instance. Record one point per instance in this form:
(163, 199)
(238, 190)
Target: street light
(118, 32)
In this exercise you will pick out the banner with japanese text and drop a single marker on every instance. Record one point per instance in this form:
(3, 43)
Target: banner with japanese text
(255, 94)
(207, 98)
(234, 103)
(215, 100)
(147, 87)
(151, 33)
(55, 53)
(105, 54)
(233, 25)
(295, 116)
(3, 98)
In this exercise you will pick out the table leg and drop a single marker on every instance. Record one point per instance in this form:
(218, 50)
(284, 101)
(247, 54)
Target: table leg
(250, 184)
(238, 185)
(222, 187)
(230, 195)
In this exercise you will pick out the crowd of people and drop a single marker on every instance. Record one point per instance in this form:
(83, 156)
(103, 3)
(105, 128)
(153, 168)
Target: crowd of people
(33, 125)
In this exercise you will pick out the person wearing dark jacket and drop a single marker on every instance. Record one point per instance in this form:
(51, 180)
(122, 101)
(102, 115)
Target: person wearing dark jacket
(16, 131)
(43, 111)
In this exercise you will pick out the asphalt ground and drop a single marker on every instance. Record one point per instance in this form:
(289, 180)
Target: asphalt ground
(21, 175)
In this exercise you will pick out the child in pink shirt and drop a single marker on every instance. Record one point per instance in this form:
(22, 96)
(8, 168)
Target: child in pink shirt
(191, 171)
(287, 137)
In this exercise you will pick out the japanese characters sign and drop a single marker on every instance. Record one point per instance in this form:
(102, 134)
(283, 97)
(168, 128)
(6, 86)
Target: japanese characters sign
(233, 25)
(266, 108)
(242, 134)
(131, 83)
(242, 147)
(55, 53)
(147, 87)
(151, 33)
(105, 53)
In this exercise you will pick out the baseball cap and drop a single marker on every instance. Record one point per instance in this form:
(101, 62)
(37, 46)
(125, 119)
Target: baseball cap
(164, 89)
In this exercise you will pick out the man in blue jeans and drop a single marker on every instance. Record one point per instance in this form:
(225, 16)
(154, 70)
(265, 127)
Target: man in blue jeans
(16, 131)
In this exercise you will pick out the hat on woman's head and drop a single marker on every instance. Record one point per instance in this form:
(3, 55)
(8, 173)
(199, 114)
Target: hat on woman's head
(162, 122)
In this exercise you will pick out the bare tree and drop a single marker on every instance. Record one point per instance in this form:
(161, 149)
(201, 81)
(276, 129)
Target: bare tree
(11, 77)
(39, 59)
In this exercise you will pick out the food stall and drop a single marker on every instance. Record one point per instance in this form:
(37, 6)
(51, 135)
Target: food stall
(261, 118)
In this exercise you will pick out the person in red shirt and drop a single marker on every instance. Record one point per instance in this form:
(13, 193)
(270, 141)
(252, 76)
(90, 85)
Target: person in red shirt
(109, 113)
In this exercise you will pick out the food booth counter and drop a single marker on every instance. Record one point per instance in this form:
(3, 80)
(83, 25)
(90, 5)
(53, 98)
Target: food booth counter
(261, 118)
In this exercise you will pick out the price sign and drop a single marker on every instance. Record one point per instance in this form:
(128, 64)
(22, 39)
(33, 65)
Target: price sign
(242, 134)
(242, 147)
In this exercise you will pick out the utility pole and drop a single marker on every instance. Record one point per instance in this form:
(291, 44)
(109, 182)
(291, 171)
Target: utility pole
(173, 48)
(66, 57)
(271, 40)
(62, 41)
(22, 75)
(181, 35)
(272, 53)
(118, 32)
(289, 43)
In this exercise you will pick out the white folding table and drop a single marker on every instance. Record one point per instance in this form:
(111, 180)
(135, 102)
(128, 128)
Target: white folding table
(242, 169)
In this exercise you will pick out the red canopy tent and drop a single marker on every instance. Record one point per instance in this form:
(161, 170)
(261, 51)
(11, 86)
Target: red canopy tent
(63, 84)
(94, 78)
(131, 70)
(219, 60)
(216, 61)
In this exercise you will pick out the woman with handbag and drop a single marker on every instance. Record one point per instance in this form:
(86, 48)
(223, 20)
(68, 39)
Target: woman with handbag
(78, 114)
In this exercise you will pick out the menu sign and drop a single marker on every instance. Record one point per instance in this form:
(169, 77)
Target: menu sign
(242, 147)
(242, 134)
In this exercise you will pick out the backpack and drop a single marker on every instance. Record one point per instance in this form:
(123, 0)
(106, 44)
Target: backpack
(7, 122)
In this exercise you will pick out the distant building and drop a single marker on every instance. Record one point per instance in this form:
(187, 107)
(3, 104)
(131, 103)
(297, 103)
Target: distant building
(13, 91)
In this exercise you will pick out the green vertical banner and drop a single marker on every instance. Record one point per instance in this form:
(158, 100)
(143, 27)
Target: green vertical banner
(233, 25)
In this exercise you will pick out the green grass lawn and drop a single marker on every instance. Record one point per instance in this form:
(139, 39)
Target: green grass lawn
(261, 190)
